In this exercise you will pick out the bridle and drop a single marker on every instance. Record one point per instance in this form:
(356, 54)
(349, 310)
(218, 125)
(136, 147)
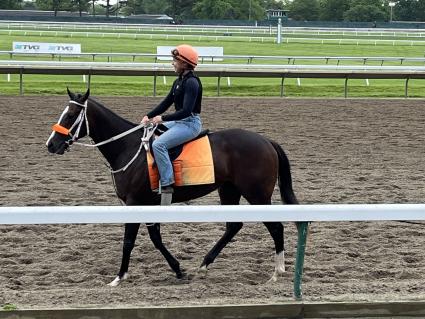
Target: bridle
(148, 131)
(81, 118)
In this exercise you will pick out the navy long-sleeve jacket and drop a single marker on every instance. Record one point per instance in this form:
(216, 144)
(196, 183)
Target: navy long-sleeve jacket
(186, 94)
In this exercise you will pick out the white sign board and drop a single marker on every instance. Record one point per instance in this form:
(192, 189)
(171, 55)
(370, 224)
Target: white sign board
(53, 48)
(205, 53)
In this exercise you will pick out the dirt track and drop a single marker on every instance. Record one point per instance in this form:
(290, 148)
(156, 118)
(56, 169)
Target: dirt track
(341, 151)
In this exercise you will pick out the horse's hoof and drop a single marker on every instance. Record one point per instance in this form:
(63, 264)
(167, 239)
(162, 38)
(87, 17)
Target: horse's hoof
(117, 280)
(272, 279)
(203, 270)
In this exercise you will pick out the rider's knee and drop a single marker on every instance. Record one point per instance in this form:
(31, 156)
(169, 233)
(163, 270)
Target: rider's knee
(158, 145)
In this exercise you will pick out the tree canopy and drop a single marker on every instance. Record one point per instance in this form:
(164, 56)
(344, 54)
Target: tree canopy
(309, 10)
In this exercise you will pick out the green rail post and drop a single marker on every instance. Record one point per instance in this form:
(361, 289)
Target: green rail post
(346, 88)
(89, 79)
(406, 88)
(21, 81)
(299, 263)
(282, 87)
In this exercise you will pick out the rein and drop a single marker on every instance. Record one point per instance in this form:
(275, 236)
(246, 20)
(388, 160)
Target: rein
(82, 118)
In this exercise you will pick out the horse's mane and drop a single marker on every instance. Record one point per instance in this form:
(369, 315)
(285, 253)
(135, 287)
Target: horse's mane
(107, 110)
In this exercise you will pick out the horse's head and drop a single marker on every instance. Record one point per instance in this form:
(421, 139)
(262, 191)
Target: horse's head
(71, 124)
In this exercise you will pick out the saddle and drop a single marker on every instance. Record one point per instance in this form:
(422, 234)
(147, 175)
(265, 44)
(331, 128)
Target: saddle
(175, 151)
(192, 161)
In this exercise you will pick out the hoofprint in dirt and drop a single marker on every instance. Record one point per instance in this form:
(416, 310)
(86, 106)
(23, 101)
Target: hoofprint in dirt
(341, 151)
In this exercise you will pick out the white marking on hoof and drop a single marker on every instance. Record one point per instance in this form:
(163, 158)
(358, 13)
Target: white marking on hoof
(202, 270)
(279, 267)
(118, 280)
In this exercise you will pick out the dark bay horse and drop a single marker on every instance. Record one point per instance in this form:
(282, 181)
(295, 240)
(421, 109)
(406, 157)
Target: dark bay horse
(245, 164)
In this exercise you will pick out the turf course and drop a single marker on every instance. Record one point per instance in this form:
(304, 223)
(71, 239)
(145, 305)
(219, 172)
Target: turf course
(143, 86)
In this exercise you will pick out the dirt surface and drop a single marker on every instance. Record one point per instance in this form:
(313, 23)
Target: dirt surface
(341, 151)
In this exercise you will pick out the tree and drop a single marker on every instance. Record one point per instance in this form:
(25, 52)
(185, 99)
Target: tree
(93, 7)
(80, 5)
(157, 7)
(304, 10)
(180, 9)
(214, 9)
(333, 10)
(108, 7)
(29, 6)
(364, 13)
(273, 4)
(53, 5)
(408, 10)
(11, 4)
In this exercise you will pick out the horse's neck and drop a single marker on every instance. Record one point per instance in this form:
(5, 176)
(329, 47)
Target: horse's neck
(104, 124)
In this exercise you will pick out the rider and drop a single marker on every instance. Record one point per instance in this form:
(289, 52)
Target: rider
(185, 123)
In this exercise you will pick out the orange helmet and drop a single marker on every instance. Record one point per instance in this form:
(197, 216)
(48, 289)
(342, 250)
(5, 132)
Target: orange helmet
(186, 53)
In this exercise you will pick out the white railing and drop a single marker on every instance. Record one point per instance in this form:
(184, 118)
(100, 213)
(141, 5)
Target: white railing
(375, 32)
(215, 37)
(301, 214)
(215, 70)
(210, 57)
(214, 213)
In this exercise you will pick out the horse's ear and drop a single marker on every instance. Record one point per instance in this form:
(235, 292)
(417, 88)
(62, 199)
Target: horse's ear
(70, 94)
(86, 96)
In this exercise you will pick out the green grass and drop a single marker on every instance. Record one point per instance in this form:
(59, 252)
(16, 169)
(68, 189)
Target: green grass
(9, 307)
(143, 86)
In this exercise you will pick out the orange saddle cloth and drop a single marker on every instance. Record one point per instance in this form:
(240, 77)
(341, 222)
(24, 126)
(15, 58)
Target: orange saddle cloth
(194, 166)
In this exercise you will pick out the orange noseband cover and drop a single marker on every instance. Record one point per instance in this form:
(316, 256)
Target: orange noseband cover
(60, 129)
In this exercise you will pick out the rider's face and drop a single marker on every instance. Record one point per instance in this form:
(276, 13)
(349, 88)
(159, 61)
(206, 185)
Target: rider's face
(178, 65)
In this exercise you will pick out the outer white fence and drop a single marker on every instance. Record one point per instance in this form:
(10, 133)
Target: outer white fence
(215, 213)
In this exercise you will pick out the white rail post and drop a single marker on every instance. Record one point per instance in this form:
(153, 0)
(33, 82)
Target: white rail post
(279, 31)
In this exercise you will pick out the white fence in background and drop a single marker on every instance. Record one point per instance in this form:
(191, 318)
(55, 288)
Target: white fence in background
(311, 38)
(200, 29)
(209, 54)
(214, 70)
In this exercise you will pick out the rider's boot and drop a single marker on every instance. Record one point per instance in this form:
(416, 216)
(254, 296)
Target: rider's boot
(166, 195)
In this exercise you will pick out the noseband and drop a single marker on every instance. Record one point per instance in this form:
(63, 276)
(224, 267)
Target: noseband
(82, 117)
(148, 131)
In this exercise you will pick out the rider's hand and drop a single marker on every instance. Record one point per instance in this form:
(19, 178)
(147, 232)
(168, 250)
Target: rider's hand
(157, 119)
(145, 120)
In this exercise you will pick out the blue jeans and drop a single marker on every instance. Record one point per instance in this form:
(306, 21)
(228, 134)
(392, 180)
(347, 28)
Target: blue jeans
(178, 132)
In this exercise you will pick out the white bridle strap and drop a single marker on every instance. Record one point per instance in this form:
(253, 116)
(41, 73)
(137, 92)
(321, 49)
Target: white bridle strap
(82, 117)
(113, 138)
(147, 134)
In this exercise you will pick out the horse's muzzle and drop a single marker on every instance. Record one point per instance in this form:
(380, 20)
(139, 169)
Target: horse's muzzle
(57, 149)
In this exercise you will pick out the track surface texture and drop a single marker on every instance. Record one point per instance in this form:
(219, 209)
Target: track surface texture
(341, 151)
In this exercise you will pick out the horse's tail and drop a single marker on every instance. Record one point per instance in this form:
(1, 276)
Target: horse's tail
(285, 180)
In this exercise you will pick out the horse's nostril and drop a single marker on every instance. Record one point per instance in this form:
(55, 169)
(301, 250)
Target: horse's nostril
(50, 147)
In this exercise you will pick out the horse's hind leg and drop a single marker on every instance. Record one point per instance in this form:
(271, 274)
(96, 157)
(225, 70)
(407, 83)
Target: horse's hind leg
(276, 231)
(130, 235)
(229, 195)
(155, 235)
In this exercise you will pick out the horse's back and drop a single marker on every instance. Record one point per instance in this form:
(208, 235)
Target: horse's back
(239, 140)
(243, 156)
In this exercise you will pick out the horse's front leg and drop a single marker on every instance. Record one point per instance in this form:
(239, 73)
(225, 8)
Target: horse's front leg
(231, 230)
(130, 235)
(155, 235)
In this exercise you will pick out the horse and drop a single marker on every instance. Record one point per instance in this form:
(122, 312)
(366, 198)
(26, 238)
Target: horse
(246, 164)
